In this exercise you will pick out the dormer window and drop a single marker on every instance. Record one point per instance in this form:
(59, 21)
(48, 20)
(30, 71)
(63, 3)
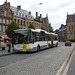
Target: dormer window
(16, 13)
(22, 15)
(19, 14)
(26, 16)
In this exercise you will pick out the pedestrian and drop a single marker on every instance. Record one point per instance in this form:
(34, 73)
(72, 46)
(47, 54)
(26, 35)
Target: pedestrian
(9, 45)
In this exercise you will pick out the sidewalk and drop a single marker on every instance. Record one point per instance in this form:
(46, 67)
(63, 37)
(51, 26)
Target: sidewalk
(5, 52)
(71, 70)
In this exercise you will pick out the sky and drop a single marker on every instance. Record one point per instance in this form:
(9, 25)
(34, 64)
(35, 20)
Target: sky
(56, 9)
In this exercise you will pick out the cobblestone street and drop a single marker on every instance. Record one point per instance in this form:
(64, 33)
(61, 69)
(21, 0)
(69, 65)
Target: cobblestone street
(45, 62)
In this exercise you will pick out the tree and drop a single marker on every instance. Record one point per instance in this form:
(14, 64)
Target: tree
(31, 26)
(10, 28)
(50, 30)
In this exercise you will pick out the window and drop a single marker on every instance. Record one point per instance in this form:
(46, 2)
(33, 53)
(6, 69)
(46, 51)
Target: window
(21, 22)
(0, 20)
(22, 15)
(3, 28)
(10, 21)
(0, 27)
(26, 16)
(24, 22)
(19, 14)
(16, 13)
(7, 22)
(15, 20)
(3, 20)
(18, 21)
(42, 36)
(27, 23)
(69, 28)
(5, 13)
(72, 28)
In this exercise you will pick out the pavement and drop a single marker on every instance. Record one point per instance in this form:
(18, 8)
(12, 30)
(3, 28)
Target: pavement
(5, 52)
(71, 70)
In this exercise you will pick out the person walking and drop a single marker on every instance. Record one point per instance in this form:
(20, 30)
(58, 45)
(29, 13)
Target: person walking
(9, 45)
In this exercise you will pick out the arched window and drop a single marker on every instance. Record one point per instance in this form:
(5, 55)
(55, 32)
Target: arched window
(21, 22)
(18, 21)
(24, 22)
(15, 20)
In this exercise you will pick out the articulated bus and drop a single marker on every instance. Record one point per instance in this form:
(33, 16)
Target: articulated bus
(27, 40)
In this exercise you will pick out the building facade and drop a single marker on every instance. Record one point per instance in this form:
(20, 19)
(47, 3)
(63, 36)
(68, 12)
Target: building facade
(5, 16)
(70, 27)
(62, 33)
(22, 17)
(44, 22)
(9, 13)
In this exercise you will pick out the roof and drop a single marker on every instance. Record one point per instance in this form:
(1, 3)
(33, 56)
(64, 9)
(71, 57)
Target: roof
(33, 30)
(24, 12)
(71, 18)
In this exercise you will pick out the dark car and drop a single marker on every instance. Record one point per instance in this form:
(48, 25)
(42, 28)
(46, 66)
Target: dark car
(68, 43)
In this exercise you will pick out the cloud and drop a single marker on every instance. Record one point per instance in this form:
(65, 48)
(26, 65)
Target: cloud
(56, 9)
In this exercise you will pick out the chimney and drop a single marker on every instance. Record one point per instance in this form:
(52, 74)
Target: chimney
(19, 7)
(29, 12)
(40, 15)
(9, 3)
(36, 15)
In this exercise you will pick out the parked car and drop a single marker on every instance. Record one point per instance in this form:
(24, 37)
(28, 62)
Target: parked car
(67, 43)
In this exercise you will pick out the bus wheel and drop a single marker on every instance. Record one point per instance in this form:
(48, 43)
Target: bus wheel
(49, 45)
(38, 48)
(56, 45)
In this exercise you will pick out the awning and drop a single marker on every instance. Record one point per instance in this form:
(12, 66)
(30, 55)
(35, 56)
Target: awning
(6, 37)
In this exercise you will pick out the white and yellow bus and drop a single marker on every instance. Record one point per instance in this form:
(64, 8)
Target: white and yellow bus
(26, 40)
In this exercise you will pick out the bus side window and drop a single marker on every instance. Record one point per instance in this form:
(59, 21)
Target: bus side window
(33, 36)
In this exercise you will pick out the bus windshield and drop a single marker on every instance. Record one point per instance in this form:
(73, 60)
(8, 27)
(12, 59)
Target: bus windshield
(21, 37)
